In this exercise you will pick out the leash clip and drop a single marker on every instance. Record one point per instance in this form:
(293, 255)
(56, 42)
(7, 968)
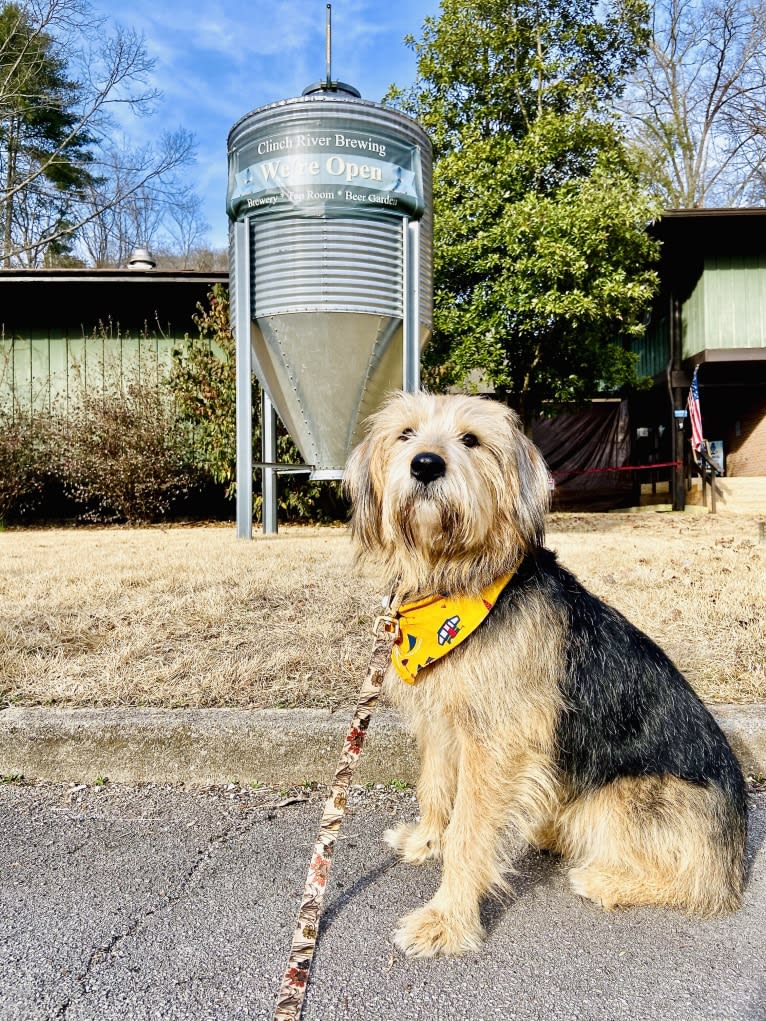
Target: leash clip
(386, 624)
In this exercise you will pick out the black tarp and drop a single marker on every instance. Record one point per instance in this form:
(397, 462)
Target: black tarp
(578, 445)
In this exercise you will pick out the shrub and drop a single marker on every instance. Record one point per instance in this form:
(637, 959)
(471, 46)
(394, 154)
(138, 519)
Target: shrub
(25, 457)
(124, 454)
(202, 383)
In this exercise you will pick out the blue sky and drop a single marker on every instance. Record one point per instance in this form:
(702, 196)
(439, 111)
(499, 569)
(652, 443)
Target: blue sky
(218, 59)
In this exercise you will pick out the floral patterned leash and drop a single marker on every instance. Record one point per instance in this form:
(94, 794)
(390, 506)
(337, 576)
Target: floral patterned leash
(293, 989)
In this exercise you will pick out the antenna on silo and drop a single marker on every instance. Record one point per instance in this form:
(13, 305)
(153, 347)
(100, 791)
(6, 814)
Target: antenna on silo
(328, 46)
(328, 86)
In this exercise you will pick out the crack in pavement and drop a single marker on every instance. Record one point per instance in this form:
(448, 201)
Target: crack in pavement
(236, 829)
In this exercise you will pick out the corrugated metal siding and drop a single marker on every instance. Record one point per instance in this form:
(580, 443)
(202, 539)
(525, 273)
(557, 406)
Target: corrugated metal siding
(232, 280)
(426, 253)
(736, 302)
(693, 320)
(322, 265)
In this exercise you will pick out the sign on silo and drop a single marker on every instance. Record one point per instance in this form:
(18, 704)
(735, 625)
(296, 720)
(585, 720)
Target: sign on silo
(329, 197)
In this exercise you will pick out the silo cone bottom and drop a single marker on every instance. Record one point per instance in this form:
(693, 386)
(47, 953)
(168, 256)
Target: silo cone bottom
(325, 372)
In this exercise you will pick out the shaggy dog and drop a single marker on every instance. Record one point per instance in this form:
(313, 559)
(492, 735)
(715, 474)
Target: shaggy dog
(555, 715)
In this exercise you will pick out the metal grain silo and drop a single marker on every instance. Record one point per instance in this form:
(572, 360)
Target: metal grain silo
(329, 197)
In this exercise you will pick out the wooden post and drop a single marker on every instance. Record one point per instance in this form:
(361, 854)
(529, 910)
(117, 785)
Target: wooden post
(677, 402)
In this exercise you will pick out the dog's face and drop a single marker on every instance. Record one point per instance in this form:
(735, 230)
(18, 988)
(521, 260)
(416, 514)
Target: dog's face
(446, 491)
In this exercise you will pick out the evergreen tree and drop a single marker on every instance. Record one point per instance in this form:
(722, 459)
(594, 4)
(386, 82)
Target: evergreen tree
(44, 154)
(61, 162)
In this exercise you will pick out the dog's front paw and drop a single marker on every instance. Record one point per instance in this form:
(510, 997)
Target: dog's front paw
(413, 842)
(430, 931)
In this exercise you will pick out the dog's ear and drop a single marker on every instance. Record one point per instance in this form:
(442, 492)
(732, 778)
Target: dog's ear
(533, 483)
(365, 503)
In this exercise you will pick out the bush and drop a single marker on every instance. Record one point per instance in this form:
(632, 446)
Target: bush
(25, 457)
(202, 383)
(125, 455)
(143, 442)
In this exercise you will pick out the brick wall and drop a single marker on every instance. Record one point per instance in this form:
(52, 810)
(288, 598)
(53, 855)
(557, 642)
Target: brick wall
(747, 454)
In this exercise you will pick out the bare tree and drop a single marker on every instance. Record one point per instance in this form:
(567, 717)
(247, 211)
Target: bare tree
(696, 108)
(164, 214)
(185, 224)
(62, 76)
(201, 257)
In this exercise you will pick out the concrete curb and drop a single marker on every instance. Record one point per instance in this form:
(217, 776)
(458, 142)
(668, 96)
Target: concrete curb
(197, 746)
(273, 747)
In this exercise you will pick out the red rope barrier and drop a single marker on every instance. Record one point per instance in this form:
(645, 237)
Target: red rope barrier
(621, 468)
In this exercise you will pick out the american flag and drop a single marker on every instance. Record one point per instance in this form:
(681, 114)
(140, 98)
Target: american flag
(695, 415)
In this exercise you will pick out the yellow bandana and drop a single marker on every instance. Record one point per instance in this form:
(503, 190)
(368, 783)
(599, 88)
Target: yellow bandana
(429, 628)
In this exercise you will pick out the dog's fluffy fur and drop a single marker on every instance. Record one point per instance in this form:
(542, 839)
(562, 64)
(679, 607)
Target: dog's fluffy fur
(556, 716)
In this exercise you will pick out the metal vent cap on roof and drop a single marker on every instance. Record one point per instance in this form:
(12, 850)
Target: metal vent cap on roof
(141, 258)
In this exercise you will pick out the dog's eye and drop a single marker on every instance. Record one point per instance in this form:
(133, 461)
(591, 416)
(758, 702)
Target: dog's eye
(469, 440)
(406, 434)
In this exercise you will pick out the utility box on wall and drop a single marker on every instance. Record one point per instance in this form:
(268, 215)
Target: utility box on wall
(331, 261)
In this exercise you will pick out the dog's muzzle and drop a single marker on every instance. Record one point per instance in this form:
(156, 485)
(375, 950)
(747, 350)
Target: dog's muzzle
(427, 467)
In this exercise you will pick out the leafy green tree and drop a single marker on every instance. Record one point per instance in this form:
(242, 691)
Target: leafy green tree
(495, 66)
(542, 260)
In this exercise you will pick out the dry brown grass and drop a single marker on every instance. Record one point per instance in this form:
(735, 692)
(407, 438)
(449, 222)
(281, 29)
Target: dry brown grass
(194, 617)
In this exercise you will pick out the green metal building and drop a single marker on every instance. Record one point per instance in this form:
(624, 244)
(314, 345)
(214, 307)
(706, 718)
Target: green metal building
(710, 313)
(60, 328)
(65, 328)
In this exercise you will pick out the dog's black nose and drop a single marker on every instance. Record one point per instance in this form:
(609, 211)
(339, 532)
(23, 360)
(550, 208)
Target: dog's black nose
(427, 467)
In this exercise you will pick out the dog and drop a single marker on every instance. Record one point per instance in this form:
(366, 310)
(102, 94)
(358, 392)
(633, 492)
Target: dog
(554, 715)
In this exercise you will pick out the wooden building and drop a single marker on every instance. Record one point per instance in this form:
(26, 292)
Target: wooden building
(710, 313)
(63, 328)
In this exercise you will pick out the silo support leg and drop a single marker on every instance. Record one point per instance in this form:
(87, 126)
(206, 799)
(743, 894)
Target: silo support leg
(411, 279)
(244, 384)
(269, 456)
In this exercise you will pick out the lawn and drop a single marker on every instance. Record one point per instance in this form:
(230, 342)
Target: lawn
(191, 616)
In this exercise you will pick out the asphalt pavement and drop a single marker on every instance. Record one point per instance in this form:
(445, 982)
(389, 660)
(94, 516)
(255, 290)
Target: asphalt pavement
(166, 902)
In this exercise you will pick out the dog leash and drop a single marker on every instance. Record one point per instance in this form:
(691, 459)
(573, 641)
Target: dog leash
(295, 980)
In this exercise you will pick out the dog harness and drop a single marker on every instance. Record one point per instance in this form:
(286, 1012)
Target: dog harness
(429, 628)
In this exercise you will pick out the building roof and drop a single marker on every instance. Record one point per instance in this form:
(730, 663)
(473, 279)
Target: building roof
(80, 299)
